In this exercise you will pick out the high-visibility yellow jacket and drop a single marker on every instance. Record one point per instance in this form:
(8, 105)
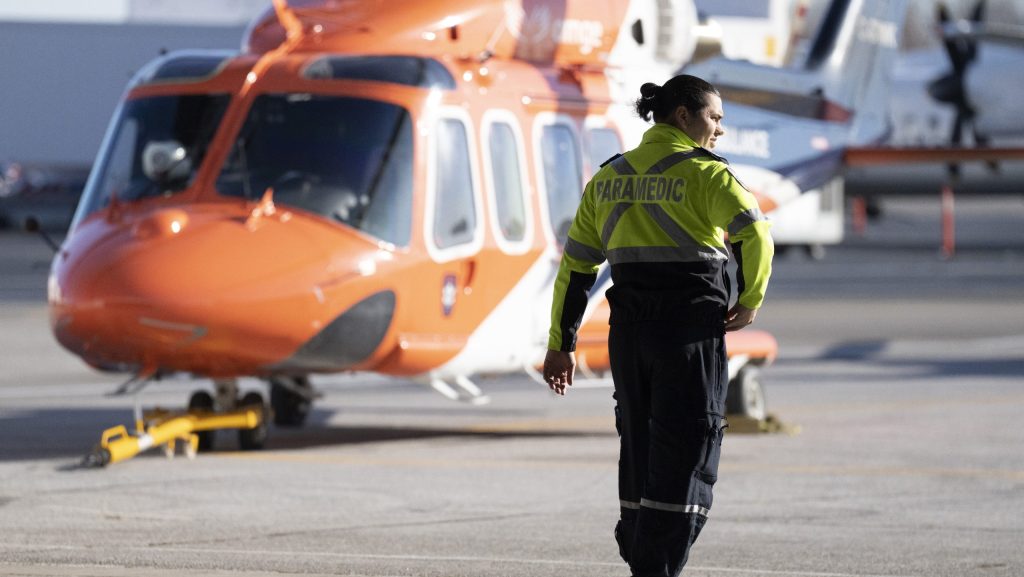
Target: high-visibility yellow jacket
(659, 215)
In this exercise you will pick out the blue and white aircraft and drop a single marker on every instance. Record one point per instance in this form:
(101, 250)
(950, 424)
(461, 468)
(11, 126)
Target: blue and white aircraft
(792, 132)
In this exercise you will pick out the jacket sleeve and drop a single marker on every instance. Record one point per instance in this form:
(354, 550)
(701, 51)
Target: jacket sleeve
(577, 273)
(735, 209)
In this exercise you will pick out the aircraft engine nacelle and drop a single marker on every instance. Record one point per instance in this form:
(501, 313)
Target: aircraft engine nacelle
(662, 33)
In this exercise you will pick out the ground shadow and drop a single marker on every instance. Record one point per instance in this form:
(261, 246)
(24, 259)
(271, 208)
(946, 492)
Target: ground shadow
(37, 434)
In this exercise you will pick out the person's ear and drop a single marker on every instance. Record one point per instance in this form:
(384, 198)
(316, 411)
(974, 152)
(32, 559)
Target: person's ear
(681, 116)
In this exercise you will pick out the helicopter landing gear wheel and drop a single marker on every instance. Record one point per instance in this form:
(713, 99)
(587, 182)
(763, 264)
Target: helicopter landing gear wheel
(746, 395)
(255, 438)
(291, 399)
(203, 401)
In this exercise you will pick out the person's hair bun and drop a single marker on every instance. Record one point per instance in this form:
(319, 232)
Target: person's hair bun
(649, 90)
(658, 102)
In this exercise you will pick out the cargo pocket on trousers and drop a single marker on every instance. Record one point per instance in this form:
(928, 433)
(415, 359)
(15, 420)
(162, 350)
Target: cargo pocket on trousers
(713, 431)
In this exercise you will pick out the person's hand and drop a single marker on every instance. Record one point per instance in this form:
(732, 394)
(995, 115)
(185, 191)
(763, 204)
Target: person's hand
(738, 317)
(559, 367)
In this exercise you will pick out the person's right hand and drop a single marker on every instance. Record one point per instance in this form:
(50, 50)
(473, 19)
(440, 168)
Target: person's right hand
(738, 317)
(559, 367)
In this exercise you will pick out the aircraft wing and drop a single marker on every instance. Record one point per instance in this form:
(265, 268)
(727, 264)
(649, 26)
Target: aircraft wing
(909, 171)
(886, 155)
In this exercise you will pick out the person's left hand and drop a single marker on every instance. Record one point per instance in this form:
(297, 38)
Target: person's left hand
(559, 367)
(738, 317)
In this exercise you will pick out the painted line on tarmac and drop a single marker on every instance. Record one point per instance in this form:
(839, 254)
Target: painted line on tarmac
(904, 405)
(735, 570)
(322, 459)
(434, 559)
(837, 470)
(601, 424)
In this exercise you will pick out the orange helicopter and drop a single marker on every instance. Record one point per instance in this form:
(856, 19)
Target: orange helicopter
(366, 186)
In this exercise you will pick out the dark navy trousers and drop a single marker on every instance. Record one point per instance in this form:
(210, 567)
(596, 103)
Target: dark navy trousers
(670, 385)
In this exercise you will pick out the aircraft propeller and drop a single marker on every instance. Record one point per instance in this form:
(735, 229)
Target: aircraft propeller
(951, 88)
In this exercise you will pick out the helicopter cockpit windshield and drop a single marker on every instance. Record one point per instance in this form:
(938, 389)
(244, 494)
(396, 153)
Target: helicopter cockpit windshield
(155, 149)
(347, 159)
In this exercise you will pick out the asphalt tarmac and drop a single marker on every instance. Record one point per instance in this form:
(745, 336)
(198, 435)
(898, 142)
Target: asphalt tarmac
(901, 372)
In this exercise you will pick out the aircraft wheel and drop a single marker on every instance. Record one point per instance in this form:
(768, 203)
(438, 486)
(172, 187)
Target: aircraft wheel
(746, 395)
(290, 407)
(202, 400)
(815, 251)
(255, 438)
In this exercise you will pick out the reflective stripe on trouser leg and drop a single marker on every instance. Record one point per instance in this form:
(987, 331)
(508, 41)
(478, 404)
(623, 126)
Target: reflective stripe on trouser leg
(672, 507)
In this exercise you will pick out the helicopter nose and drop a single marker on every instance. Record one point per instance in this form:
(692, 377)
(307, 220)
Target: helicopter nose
(216, 298)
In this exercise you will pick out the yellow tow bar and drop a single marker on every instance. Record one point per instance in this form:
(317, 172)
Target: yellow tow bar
(161, 428)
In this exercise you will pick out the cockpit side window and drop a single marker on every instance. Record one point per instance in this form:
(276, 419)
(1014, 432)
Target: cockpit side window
(347, 159)
(155, 148)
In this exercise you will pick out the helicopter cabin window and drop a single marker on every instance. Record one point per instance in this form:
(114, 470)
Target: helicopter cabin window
(563, 180)
(346, 159)
(454, 210)
(155, 148)
(507, 182)
(602, 144)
